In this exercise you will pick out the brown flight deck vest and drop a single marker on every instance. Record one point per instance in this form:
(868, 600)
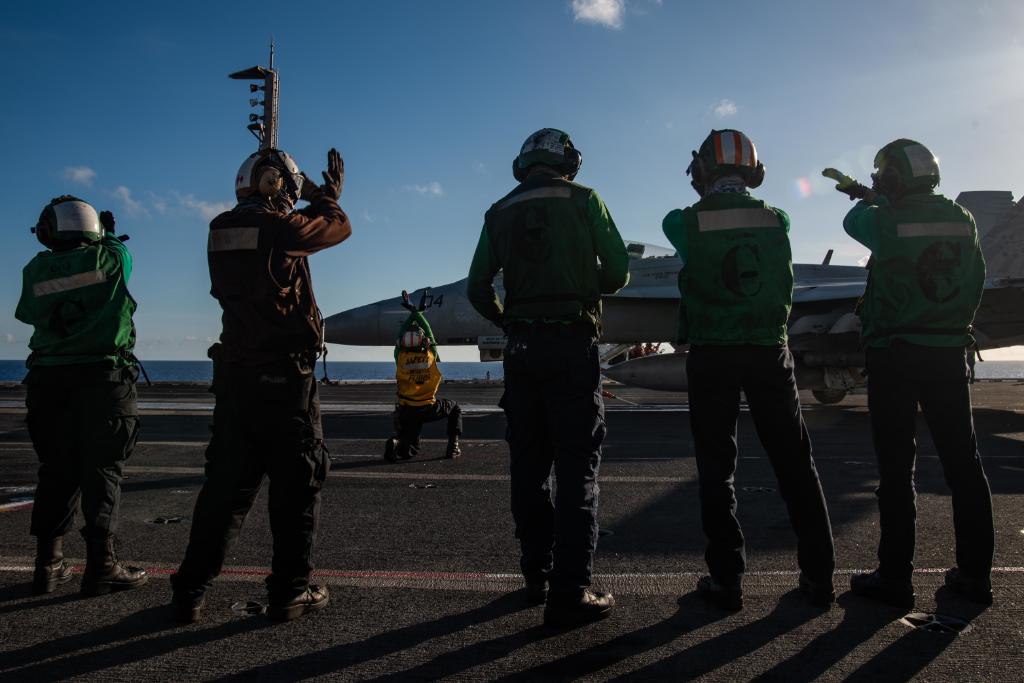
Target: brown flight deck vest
(260, 275)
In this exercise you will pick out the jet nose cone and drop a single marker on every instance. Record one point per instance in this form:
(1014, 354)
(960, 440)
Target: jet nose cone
(357, 326)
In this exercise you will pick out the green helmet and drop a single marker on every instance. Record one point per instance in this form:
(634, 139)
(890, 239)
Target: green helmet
(725, 152)
(905, 167)
(550, 147)
(67, 221)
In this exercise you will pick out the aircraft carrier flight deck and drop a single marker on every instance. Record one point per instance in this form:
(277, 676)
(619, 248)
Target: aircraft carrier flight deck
(423, 567)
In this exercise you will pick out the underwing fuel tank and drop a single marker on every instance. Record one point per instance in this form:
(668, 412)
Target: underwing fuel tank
(667, 372)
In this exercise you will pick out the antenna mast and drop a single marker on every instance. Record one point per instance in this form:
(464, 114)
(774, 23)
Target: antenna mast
(263, 126)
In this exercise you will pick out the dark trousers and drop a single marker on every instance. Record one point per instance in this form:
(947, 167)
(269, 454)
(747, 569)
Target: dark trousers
(409, 421)
(716, 374)
(83, 421)
(900, 378)
(555, 416)
(266, 423)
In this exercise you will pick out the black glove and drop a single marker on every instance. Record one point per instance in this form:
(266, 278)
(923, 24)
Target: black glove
(107, 221)
(334, 176)
(406, 304)
(855, 191)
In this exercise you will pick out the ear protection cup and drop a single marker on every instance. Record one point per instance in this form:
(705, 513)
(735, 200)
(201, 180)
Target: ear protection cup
(573, 161)
(698, 173)
(756, 177)
(271, 182)
(887, 182)
(518, 173)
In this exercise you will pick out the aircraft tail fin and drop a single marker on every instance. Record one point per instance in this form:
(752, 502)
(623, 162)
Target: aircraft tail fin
(1003, 245)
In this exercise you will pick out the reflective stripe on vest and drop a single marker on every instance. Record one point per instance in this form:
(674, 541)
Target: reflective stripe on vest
(539, 193)
(944, 229)
(234, 239)
(63, 284)
(731, 219)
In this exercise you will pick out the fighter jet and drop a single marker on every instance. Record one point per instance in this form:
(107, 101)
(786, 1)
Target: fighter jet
(823, 328)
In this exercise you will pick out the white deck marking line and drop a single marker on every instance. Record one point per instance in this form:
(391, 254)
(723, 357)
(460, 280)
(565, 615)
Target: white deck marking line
(467, 408)
(868, 459)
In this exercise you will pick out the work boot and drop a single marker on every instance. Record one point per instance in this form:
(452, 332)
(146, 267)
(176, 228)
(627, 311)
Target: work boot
(310, 600)
(405, 450)
(727, 595)
(453, 450)
(975, 590)
(877, 587)
(389, 450)
(104, 573)
(51, 569)
(567, 609)
(187, 609)
(819, 593)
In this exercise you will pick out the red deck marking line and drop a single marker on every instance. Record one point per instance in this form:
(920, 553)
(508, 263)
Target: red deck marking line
(11, 507)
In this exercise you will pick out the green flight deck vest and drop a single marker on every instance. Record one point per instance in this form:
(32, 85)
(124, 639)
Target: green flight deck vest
(79, 305)
(542, 236)
(737, 282)
(927, 274)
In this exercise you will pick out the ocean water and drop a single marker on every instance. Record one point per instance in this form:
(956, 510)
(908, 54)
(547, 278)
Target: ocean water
(202, 370)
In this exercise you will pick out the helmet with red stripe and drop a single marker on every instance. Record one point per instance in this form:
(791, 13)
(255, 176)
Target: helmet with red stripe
(725, 152)
(413, 338)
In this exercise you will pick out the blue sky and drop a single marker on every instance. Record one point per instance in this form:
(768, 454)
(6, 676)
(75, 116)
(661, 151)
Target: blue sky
(128, 105)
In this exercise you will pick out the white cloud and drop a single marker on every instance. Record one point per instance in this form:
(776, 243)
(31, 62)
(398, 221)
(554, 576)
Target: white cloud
(132, 207)
(726, 108)
(480, 167)
(604, 12)
(208, 210)
(367, 216)
(863, 260)
(433, 189)
(9, 338)
(83, 175)
(190, 338)
(158, 203)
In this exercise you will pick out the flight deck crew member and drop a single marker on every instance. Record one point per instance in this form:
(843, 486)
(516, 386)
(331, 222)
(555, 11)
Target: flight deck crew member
(266, 420)
(736, 288)
(82, 407)
(559, 251)
(925, 283)
(418, 378)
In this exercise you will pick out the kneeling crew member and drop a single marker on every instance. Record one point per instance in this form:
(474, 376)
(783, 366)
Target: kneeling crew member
(925, 283)
(82, 407)
(736, 289)
(418, 378)
(548, 236)
(266, 421)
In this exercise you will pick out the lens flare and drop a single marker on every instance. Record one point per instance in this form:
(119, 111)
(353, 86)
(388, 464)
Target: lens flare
(803, 187)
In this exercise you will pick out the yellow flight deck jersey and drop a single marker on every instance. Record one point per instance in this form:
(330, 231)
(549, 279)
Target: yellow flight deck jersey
(418, 377)
(416, 369)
